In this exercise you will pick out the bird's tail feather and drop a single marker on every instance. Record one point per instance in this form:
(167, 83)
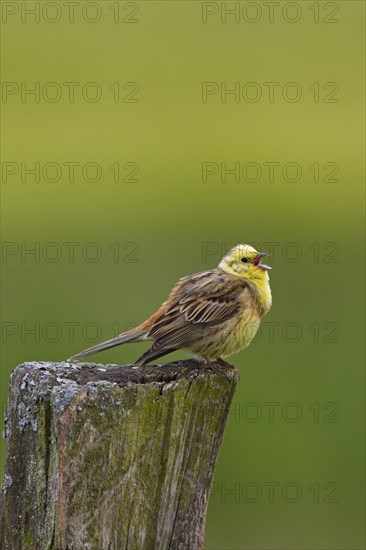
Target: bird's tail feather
(130, 336)
(152, 354)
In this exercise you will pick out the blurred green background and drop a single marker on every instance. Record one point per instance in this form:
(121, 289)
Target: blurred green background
(168, 222)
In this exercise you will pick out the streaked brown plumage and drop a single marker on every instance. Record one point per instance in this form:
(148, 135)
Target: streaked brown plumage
(212, 314)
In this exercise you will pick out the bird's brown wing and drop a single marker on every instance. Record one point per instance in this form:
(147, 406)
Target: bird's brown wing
(197, 303)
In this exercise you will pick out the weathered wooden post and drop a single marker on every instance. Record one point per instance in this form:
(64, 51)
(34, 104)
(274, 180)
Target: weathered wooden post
(111, 457)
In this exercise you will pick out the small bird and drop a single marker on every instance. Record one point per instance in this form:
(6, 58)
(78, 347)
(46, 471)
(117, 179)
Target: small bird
(213, 314)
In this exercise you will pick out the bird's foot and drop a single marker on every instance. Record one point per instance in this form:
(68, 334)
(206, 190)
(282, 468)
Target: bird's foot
(220, 367)
(225, 364)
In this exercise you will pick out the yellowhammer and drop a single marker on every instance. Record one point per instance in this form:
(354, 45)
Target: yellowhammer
(212, 314)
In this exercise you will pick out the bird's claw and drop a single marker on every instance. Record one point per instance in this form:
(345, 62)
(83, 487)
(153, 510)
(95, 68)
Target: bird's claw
(225, 364)
(220, 367)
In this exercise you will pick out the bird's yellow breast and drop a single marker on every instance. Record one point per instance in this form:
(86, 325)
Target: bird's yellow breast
(230, 338)
(242, 333)
(265, 294)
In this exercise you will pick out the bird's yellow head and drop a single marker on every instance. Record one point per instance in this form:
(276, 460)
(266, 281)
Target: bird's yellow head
(244, 261)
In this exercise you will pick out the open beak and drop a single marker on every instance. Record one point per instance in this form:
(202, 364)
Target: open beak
(257, 261)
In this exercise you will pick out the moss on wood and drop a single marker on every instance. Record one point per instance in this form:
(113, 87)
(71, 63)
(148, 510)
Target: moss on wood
(111, 457)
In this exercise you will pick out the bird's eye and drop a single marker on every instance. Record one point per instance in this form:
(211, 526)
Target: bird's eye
(244, 260)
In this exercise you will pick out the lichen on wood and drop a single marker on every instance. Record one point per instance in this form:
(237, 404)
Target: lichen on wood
(111, 457)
